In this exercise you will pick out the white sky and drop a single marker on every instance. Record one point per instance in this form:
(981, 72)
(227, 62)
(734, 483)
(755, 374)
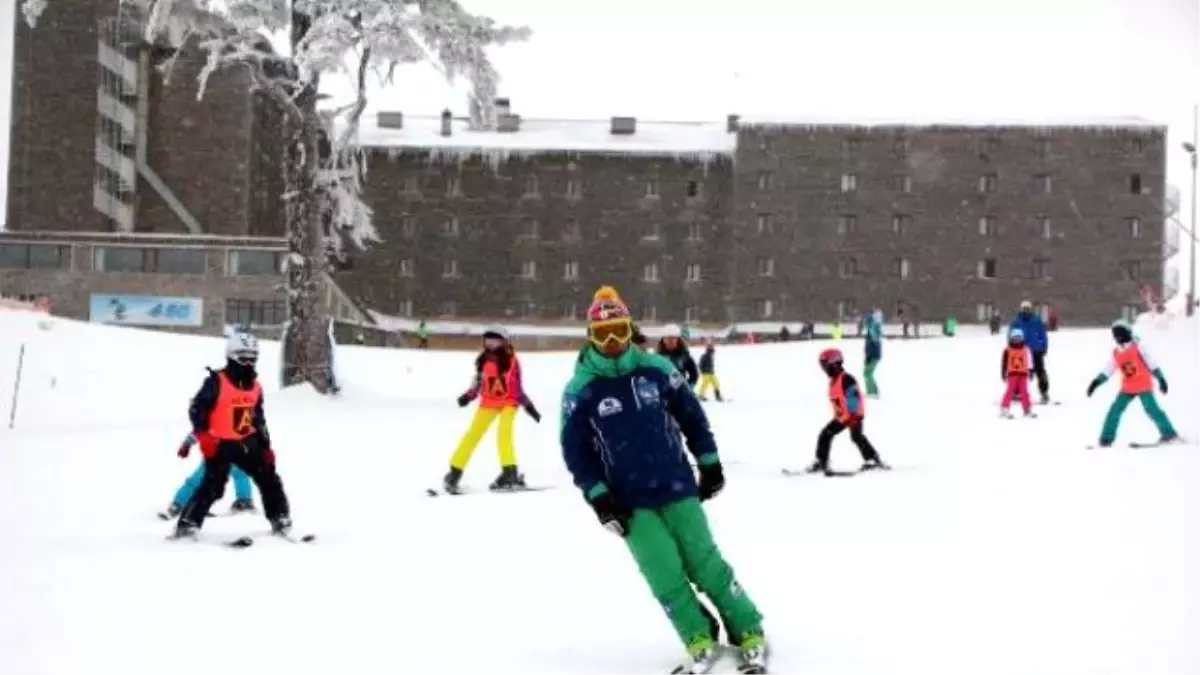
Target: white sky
(669, 59)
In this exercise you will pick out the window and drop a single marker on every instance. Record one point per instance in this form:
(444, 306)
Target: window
(119, 259)
(153, 260)
(529, 310)
(650, 273)
(571, 231)
(765, 267)
(255, 262)
(847, 224)
(574, 189)
(694, 232)
(901, 223)
(1134, 227)
(529, 228)
(240, 312)
(849, 146)
(450, 226)
(1138, 144)
(412, 185)
(1043, 148)
(570, 311)
(1041, 268)
(987, 226)
(849, 182)
(766, 181)
(766, 309)
(405, 308)
(531, 186)
(652, 188)
(848, 267)
(453, 186)
(407, 268)
(571, 270)
(691, 314)
(847, 309)
(988, 182)
(529, 269)
(765, 224)
(900, 147)
(984, 311)
(1131, 270)
(1135, 184)
(902, 184)
(900, 268)
(988, 146)
(693, 273)
(448, 309)
(1045, 227)
(408, 226)
(34, 256)
(652, 231)
(1041, 184)
(649, 313)
(693, 188)
(986, 269)
(450, 269)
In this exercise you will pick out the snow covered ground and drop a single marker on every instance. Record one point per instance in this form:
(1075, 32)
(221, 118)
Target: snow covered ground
(997, 546)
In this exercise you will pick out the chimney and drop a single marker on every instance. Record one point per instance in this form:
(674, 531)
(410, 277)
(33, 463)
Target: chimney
(446, 121)
(731, 123)
(389, 120)
(503, 107)
(624, 126)
(508, 123)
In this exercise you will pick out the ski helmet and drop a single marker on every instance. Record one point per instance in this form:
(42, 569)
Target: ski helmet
(1016, 335)
(831, 360)
(241, 347)
(1122, 332)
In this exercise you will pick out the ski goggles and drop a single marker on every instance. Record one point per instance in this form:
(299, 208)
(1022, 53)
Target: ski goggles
(614, 331)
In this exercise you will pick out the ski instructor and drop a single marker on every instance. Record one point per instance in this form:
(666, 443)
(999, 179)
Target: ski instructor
(1036, 338)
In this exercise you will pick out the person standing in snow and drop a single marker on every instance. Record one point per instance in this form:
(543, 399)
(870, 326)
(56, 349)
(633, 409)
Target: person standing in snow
(849, 411)
(674, 348)
(708, 373)
(622, 415)
(1139, 373)
(872, 350)
(1036, 338)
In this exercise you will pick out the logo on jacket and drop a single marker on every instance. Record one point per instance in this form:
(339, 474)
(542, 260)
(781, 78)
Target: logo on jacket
(647, 391)
(609, 406)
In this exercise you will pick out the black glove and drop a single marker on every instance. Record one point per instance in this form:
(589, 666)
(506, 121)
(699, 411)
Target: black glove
(464, 400)
(1162, 384)
(612, 516)
(712, 480)
(533, 412)
(1095, 384)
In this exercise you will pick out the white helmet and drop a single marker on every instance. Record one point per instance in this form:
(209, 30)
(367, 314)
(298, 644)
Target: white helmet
(672, 330)
(495, 331)
(241, 347)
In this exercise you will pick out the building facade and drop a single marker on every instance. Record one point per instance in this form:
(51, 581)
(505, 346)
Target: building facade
(762, 220)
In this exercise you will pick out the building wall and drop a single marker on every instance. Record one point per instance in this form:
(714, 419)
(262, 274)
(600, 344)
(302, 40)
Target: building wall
(522, 210)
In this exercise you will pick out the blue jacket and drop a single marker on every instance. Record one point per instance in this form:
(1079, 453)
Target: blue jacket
(621, 425)
(873, 340)
(1034, 329)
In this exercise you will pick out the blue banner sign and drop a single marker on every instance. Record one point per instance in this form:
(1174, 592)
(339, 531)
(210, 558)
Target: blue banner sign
(146, 310)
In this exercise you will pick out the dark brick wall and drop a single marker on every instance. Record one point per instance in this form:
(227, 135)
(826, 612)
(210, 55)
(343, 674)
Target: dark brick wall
(612, 214)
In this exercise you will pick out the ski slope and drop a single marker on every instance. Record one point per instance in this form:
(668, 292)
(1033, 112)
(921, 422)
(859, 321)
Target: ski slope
(997, 546)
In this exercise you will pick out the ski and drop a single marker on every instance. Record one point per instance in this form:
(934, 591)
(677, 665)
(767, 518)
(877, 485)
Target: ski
(830, 473)
(163, 515)
(462, 492)
(246, 541)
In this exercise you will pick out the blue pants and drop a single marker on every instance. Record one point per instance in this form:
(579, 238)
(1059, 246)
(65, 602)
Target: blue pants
(242, 487)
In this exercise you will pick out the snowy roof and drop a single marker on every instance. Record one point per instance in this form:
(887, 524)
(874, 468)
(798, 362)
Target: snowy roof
(823, 120)
(537, 135)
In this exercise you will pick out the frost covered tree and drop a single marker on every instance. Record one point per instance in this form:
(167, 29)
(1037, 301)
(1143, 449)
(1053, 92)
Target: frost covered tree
(323, 166)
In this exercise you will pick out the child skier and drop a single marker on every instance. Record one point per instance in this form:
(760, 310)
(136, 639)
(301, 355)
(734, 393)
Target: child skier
(497, 385)
(1139, 372)
(243, 492)
(849, 411)
(872, 349)
(623, 412)
(1015, 371)
(673, 347)
(708, 373)
(229, 425)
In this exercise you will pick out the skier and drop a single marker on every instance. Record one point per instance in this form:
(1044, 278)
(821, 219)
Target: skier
(623, 412)
(1015, 373)
(708, 372)
(849, 411)
(1034, 330)
(673, 347)
(497, 385)
(243, 491)
(872, 350)
(1139, 373)
(229, 425)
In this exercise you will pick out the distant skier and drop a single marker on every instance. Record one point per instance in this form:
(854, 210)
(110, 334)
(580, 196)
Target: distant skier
(708, 373)
(1034, 330)
(673, 347)
(1015, 373)
(872, 349)
(242, 488)
(622, 415)
(230, 427)
(849, 411)
(1139, 373)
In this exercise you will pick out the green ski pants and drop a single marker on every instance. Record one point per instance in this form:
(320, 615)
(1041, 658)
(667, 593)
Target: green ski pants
(674, 549)
(1112, 421)
(869, 377)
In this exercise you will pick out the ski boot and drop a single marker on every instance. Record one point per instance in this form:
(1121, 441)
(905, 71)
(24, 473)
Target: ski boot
(1045, 399)
(702, 656)
(753, 653)
(508, 480)
(817, 467)
(451, 479)
(282, 527)
(171, 512)
(1030, 414)
(875, 464)
(1006, 413)
(242, 506)
(184, 530)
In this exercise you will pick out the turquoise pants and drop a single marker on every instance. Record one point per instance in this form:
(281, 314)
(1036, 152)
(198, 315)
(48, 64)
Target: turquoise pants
(242, 488)
(1112, 421)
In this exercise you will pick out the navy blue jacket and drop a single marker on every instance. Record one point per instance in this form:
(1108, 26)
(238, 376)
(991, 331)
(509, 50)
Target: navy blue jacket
(621, 424)
(1034, 329)
(206, 398)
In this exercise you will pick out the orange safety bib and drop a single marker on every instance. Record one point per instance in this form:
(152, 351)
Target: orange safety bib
(496, 389)
(1136, 377)
(232, 418)
(1017, 360)
(837, 396)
